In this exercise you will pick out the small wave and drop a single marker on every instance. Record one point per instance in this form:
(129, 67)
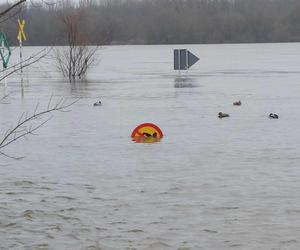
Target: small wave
(41, 246)
(135, 231)
(156, 222)
(68, 218)
(101, 229)
(210, 231)
(226, 208)
(8, 225)
(293, 211)
(64, 197)
(158, 245)
(118, 222)
(236, 245)
(292, 241)
(24, 183)
(71, 209)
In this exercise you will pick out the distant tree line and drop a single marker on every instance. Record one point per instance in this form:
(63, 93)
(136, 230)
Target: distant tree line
(161, 21)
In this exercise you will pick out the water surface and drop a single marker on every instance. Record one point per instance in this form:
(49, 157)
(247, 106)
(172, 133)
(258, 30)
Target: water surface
(209, 184)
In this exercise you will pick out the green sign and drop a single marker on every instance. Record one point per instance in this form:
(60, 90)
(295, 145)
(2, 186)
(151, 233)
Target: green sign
(5, 51)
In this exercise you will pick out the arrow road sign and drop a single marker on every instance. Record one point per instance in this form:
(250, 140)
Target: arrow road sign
(184, 59)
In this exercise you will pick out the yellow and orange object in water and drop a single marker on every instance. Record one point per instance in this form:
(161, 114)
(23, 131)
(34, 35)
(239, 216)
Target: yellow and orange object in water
(147, 133)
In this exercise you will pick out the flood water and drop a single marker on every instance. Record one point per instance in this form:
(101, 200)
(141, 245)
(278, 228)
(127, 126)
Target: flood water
(211, 183)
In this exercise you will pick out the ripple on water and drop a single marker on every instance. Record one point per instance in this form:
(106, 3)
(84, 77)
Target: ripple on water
(289, 242)
(157, 245)
(135, 231)
(226, 208)
(210, 231)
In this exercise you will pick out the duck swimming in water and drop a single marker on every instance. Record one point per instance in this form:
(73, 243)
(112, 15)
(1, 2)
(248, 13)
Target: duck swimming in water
(273, 116)
(239, 103)
(98, 103)
(222, 115)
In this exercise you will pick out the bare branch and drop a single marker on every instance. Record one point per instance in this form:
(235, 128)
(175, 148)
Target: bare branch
(11, 157)
(5, 96)
(11, 7)
(9, 18)
(25, 125)
(27, 62)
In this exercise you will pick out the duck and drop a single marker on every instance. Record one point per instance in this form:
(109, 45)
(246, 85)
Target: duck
(222, 115)
(273, 116)
(97, 103)
(239, 103)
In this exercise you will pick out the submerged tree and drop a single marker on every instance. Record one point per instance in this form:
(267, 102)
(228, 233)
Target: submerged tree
(74, 59)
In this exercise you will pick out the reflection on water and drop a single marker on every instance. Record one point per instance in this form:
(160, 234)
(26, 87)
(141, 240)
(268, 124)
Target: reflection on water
(209, 184)
(184, 81)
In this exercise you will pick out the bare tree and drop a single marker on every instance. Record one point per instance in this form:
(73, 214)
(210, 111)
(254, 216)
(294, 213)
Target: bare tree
(75, 59)
(28, 124)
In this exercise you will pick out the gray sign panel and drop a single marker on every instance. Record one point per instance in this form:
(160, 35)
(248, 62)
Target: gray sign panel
(192, 59)
(183, 59)
(180, 61)
(176, 59)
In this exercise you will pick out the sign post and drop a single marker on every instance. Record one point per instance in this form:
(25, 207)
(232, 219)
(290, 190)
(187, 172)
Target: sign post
(21, 37)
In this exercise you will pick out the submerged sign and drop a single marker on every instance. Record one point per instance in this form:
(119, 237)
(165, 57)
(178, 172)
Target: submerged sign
(147, 133)
(183, 59)
(21, 34)
(5, 51)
